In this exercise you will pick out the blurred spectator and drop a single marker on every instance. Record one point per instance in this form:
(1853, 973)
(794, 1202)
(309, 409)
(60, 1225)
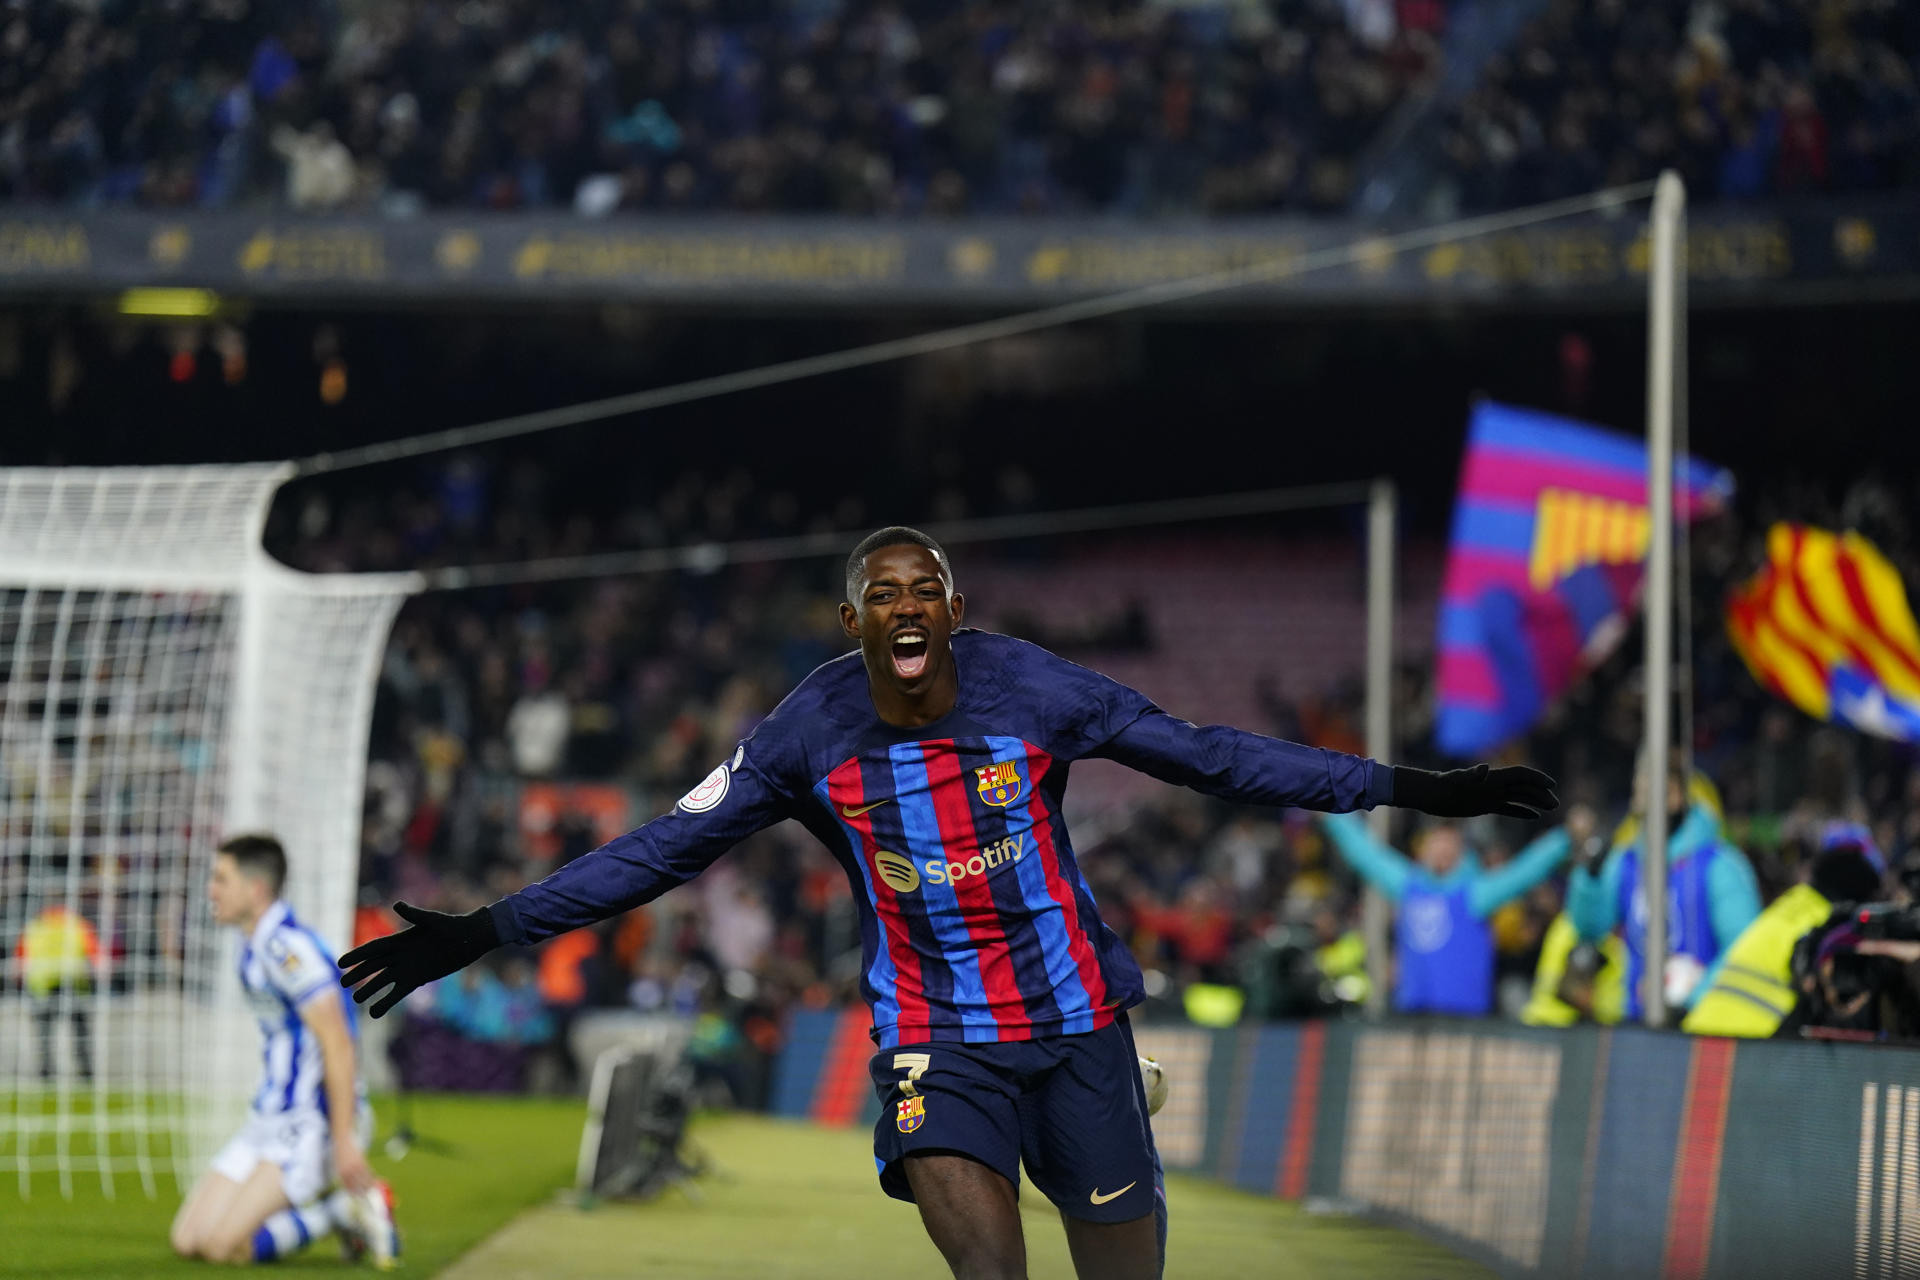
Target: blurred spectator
(1341, 956)
(865, 108)
(1441, 905)
(1577, 981)
(1711, 897)
(537, 728)
(56, 955)
(1747, 99)
(319, 166)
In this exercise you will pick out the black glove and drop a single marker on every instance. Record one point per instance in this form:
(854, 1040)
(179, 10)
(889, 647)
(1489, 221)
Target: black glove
(436, 945)
(1512, 792)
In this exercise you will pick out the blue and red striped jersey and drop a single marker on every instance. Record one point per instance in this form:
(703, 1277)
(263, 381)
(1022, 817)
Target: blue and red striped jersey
(976, 923)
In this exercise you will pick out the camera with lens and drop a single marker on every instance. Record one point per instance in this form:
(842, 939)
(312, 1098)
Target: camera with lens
(1843, 989)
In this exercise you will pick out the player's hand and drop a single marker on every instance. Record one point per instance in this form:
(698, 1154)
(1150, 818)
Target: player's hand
(1513, 791)
(438, 944)
(351, 1167)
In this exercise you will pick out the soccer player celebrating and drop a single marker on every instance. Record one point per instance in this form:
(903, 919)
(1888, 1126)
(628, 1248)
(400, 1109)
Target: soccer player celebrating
(933, 764)
(309, 1122)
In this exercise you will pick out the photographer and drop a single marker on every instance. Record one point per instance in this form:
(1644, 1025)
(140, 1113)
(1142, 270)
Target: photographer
(1753, 990)
(1859, 971)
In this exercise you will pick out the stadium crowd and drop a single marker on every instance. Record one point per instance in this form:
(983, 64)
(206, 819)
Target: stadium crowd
(1747, 99)
(870, 106)
(902, 106)
(621, 693)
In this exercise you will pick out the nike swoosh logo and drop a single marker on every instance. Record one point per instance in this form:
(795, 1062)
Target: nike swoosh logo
(1097, 1198)
(848, 811)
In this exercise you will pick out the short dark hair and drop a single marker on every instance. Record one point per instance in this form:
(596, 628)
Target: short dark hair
(894, 535)
(260, 856)
(1843, 873)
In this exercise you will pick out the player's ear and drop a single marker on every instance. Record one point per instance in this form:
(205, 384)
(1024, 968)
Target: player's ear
(850, 620)
(957, 605)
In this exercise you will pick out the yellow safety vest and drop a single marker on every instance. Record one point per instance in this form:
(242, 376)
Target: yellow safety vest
(56, 950)
(1208, 1004)
(1753, 992)
(1343, 963)
(1545, 1008)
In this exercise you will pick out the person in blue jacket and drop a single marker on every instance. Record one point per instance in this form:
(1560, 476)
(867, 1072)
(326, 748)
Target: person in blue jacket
(1711, 898)
(1442, 903)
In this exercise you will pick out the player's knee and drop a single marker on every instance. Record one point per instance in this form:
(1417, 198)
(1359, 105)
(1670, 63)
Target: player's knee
(227, 1246)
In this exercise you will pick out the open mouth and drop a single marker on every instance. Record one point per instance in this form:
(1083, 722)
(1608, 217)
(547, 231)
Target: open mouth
(909, 649)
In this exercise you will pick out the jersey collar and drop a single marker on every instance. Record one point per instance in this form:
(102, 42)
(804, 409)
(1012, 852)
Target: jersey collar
(270, 919)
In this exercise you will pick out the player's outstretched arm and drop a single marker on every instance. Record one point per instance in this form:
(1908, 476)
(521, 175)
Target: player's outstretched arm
(730, 804)
(435, 945)
(1251, 768)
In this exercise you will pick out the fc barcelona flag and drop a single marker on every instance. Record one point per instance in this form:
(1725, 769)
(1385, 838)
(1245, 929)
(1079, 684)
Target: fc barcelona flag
(1550, 534)
(1826, 626)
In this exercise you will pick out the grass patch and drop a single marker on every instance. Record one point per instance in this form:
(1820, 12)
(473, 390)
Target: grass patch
(784, 1200)
(502, 1155)
(796, 1202)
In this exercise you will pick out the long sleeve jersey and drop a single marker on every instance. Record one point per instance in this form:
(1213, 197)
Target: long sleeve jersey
(975, 921)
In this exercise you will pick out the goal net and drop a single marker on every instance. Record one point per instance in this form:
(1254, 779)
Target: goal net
(163, 682)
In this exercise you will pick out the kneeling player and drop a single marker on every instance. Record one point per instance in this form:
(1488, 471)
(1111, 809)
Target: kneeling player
(309, 1121)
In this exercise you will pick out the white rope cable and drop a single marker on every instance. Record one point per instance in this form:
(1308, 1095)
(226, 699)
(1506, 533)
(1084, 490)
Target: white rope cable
(1065, 313)
(708, 556)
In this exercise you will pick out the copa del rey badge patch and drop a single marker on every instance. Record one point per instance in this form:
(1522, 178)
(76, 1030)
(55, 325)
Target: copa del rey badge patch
(710, 792)
(912, 1114)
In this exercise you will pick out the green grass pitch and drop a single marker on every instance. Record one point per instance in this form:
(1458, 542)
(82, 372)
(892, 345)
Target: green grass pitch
(783, 1200)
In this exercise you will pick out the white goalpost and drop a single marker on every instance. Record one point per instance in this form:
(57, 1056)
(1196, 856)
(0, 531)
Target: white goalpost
(166, 683)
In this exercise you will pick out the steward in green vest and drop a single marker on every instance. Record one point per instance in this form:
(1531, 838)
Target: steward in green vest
(1752, 992)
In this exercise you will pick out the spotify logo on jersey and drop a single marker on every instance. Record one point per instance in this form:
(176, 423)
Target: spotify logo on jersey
(898, 872)
(996, 855)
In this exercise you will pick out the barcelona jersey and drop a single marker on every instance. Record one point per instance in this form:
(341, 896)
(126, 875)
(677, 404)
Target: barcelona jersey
(976, 923)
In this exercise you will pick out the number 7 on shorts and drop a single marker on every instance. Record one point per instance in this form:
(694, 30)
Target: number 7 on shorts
(913, 1064)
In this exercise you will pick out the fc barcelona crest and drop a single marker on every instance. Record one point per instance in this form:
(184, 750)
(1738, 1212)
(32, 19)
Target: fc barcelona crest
(1000, 783)
(912, 1114)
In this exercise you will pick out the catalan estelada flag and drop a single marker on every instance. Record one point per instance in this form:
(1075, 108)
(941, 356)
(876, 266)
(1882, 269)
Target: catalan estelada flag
(1549, 541)
(1826, 626)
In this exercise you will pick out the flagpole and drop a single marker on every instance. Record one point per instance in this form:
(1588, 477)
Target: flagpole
(1669, 207)
(1683, 528)
(1379, 716)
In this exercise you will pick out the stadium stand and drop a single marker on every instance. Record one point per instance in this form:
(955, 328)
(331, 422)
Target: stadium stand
(863, 108)
(1746, 100)
(883, 108)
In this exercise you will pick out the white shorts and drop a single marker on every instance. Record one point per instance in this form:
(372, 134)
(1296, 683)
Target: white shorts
(299, 1143)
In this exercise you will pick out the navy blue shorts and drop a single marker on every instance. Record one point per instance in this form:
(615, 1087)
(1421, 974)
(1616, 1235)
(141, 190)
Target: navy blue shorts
(1071, 1107)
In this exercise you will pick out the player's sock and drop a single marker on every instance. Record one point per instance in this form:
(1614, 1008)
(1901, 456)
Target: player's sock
(291, 1230)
